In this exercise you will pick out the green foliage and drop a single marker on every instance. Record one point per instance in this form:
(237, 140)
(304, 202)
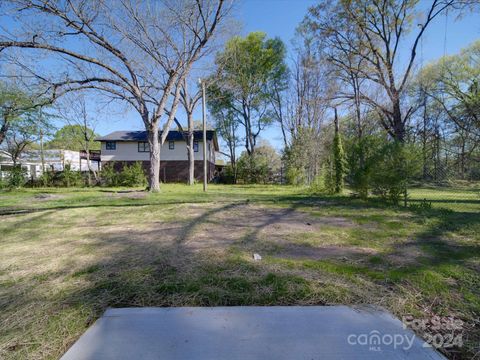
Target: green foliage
(21, 119)
(47, 178)
(382, 167)
(252, 169)
(70, 177)
(458, 88)
(303, 158)
(14, 102)
(130, 175)
(72, 137)
(17, 177)
(396, 164)
(133, 175)
(422, 206)
(249, 71)
(109, 176)
(329, 176)
(361, 158)
(339, 163)
(260, 167)
(251, 63)
(228, 175)
(294, 176)
(448, 92)
(320, 185)
(325, 182)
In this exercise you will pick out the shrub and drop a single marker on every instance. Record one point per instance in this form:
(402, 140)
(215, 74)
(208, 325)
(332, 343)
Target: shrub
(227, 176)
(318, 184)
(3, 183)
(70, 177)
(382, 167)
(133, 175)
(303, 158)
(396, 165)
(422, 206)
(263, 166)
(47, 178)
(294, 175)
(109, 176)
(17, 177)
(361, 158)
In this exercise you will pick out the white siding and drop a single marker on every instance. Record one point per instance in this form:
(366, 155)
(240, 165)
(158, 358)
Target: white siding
(53, 159)
(72, 158)
(128, 151)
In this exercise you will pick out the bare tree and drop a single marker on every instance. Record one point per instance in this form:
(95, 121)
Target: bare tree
(190, 101)
(379, 28)
(227, 126)
(133, 51)
(310, 89)
(74, 111)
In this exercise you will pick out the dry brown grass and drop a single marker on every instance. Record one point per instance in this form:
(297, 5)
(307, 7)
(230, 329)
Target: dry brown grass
(60, 268)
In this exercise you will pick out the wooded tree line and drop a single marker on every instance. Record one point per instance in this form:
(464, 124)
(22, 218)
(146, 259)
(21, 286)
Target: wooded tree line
(353, 104)
(399, 122)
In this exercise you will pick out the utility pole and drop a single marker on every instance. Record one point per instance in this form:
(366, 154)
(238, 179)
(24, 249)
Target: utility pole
(42, 156)
(204, 118)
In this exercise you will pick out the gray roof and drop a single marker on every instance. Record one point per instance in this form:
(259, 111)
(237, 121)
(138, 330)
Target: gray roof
(142, 136)
(124, 136)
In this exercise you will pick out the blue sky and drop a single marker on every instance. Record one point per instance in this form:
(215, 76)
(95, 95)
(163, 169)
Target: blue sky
(280, 18)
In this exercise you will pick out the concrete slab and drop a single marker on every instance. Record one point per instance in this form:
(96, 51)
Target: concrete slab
(296, 332)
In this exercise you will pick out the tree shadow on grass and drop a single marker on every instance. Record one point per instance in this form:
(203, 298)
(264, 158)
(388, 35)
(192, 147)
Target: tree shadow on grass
(157, 267)
(436, 238)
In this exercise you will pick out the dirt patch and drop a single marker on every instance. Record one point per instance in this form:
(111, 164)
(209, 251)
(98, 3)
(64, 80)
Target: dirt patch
(213, 227)
(324, 252)
(130, 194)
(405, 255)
(278, 219)
(47, 197)
(248, 226)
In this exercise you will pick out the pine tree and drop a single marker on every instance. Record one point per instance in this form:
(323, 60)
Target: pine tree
(338, 158)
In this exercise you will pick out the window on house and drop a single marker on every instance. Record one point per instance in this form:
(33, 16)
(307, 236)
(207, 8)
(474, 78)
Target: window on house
(143, 146)
(195, 146)
(171, 145)
(110, 145)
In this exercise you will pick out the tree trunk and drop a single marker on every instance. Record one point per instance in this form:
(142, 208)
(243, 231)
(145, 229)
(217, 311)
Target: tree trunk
(90, 169)
(398, 124)
(462, 159)
(424, 138)
(191, 153)
(3, 130)
(284, 134)
(154, 169)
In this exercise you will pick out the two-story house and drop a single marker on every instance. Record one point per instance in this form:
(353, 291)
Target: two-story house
(126, 147)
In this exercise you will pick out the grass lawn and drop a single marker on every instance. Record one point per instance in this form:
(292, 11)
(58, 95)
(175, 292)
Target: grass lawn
(67, 255)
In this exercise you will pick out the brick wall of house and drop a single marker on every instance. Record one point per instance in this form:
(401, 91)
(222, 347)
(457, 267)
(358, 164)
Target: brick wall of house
(171, 171)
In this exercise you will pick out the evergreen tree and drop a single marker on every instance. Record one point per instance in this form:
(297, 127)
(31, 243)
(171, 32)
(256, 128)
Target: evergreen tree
(338, 158)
